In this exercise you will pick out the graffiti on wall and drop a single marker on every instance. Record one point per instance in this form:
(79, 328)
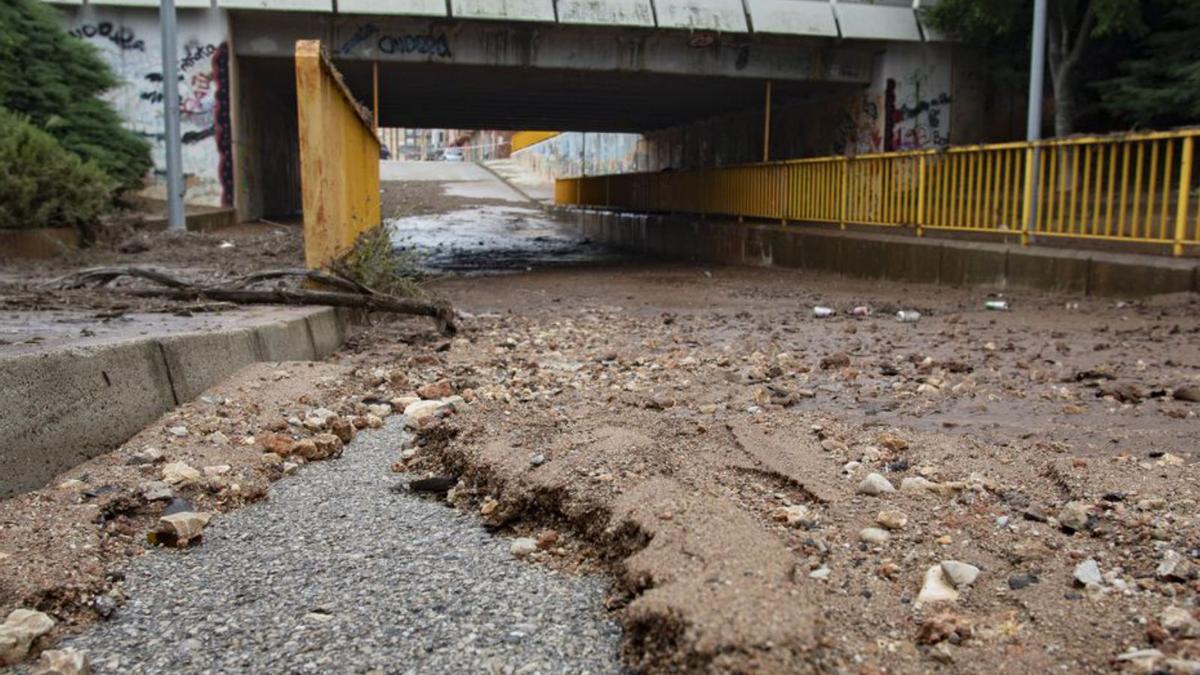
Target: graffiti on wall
(130, 47)
(914, 117)
(857, 130)
(424, 44)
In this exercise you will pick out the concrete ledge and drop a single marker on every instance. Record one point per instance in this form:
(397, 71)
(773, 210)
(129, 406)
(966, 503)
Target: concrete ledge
(39, 243)
(872, 255)
(69, 404)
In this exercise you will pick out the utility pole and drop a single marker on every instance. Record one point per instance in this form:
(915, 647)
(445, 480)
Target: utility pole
(171, 136)
(1033, 126)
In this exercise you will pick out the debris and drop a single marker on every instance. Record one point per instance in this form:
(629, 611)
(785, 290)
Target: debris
(996, 305)
(945, 626)
(523, 546)
(820, 573)
(1174, 567)
(861, 311)
(892, 519)
(960, 574)
(797, 515)
(146, 456)
(18, 632)
(178, 431)
(435, 390)
(823, 312)
(72, 484)
(156, 491)
(936, 588)
(1074, 516)
(1180, 622)
(179, 473)
(1021, 581)
(875, 484)
(179, 529)
(874, 535)
(62, 662)
(835, 360)
(1189, 393)
(1087, 573)
(908, 316)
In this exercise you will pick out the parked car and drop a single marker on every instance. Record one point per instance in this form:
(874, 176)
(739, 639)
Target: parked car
(453, 155)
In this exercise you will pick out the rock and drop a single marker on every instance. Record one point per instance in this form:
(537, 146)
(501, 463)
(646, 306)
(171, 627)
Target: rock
(380, 410)
(179, 473)
(314, 423)
(218, 438)
(1087, 573)
(321, 446)
(820, 573)
(523, 546)
(796, 515)
(439, 389)
(146, 456)
(875, 484)
(945, 626)
(1144, 660)
(935, 587)
(1035, 513)
(180, 529)
(537, 460)
(416, 413)
(1174, 567)
(290, 467)
(18, 632)
(277, 443)
(834, 445)
(178, 431)
(72, 484)
(1190, 393)
(1074, 516)
(835, 360)
(1180, 622)
(1021, 581)
(217, 470)
(62, 662)
(892, 442)
(960, 574)
(892, 519)
(917, 485)
(342, 428)
(402, 402)
(547, 539)
(374, 421)
(156, 491)
(270, 459)
(874, 536)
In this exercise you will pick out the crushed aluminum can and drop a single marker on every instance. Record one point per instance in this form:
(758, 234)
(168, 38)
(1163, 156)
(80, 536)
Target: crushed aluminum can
(861, 310)
(822, 312)
(996, 305)
(908, 316)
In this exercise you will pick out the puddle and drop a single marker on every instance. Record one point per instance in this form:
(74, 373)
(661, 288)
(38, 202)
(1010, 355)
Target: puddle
(493, 240)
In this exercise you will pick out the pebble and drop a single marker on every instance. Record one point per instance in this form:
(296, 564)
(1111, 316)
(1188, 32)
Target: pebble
(1174, 567)
(178, 432)
(522, 546)
(820, 573)
(18, 632)
(179, 473)
(892, 519)
(875, 484)
(960, 574)
(72, 484)
(1180, 622)
(935, 587)
(1021, 581)
(181, 528)
(797, 515)
(537, 460)
(1074, 516)
(1087, 573)
(146, 456)
(874, 535)
(62, 662)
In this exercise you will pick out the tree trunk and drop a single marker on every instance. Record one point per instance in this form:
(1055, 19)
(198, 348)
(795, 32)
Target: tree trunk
(1064, 103)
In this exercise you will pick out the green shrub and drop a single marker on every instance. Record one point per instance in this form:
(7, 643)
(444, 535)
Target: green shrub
(44, 185)
(55, 79)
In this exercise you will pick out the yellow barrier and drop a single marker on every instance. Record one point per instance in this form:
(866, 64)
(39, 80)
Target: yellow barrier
(339, 158)
(524, 139)
(1127, 188)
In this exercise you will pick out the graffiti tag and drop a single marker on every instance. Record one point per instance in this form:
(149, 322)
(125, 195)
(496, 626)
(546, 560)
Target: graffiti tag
(429, 45)
(120, 36)
(360, 36)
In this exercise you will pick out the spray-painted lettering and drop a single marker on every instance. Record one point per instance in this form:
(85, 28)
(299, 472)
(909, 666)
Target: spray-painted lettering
(429, 45)
(118, 35)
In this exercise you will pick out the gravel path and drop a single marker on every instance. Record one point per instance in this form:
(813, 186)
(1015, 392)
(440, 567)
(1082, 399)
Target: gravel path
(336, 573)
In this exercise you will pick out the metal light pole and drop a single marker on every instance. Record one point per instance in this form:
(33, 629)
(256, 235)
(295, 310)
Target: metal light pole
(1033, 125)
(171, 136)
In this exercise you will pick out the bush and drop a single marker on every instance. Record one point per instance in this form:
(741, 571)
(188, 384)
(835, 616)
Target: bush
(44, 185)
(55, 79)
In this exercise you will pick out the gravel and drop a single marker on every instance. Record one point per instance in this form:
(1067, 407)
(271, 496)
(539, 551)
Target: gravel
(337, 573)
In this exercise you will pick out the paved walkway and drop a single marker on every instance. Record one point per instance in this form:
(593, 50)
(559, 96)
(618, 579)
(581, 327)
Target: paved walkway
(337, 573)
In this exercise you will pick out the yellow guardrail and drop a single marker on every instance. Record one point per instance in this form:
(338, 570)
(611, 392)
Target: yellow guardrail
(1127, 188)
(339, 158)
(524, 139)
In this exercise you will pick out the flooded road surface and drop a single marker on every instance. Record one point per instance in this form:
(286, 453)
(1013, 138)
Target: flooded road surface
(484, 226)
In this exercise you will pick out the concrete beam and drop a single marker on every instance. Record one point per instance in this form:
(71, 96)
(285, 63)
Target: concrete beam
(539, 46)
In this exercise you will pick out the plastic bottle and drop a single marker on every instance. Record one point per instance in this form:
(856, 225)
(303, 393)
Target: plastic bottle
(996, 305)
(822, 312)
(908, 316)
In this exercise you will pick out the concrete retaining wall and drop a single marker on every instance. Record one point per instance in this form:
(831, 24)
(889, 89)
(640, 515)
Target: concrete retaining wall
(883, 256)
(64, 406)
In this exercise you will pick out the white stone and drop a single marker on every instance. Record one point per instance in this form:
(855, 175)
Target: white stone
(875, 484)
(917, 485)
(874, 535)
(72, 484)
(960, 574)
(796, 515)
(179, 473)
(218, 438)
(314, 423)
(62, 662)
(217, 470)
(179, 431)
(820, 573)
(935, 587)
(1180, 622)
(379, 409)
(18, 632)
(1087, 573)
(184, 526)
(420, 410)
(522, 546)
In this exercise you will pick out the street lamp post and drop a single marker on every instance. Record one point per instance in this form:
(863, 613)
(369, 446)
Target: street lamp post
(171, 135)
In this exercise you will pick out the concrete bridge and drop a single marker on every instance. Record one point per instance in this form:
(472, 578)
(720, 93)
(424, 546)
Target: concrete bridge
(693, 76)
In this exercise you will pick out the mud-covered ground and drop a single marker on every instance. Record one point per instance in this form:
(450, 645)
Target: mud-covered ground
(699, 433)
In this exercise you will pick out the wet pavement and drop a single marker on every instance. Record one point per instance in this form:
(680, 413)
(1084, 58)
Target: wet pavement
(505, 233)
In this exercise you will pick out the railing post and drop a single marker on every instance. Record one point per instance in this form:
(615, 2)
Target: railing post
(607, 191)
(1027, 207)
(845, 190)
(1185, 186)
(921, 196)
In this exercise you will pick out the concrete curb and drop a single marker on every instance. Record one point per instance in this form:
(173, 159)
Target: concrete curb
(870, 255)
(64, 406)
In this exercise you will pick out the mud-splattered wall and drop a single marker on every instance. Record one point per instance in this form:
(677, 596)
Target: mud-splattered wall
(575, 153)
(128, 39)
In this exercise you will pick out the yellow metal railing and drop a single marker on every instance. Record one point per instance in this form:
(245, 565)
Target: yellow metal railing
(339, 158)
(1126, 188)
